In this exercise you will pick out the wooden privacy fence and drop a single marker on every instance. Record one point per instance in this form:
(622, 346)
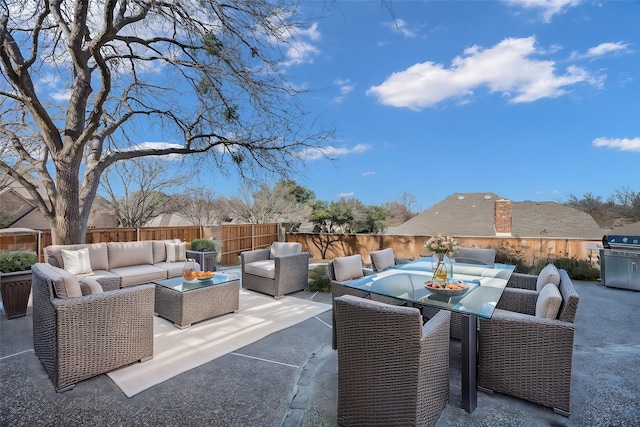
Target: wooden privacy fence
(236, 238)
(329, 246)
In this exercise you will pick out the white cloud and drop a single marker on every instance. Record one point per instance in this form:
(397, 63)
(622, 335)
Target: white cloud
(548, 8)
(332, 152)
(301, 49)
(345, 87)
(604, 49)
(511, 68)
(401, 26)
(621, 144)
(368, 173)
(345, 195)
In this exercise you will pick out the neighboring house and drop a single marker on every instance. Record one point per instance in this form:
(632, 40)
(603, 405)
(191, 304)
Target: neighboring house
(169, 220)
(626, 230)
(489, 215)
(23, 213)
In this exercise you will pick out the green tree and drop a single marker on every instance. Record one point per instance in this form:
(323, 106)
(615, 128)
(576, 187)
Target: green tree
(206, 74)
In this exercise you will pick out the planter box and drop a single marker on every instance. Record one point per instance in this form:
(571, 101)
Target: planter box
(207, 260)
(15, 289)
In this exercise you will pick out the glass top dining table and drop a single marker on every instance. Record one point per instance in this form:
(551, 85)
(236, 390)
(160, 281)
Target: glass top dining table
(407, 282)
(485, 282)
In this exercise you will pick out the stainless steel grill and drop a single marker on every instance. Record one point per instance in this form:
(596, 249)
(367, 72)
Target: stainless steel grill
(619, 261)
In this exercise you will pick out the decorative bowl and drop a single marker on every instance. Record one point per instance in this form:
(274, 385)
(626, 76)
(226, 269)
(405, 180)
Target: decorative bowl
(461, 289)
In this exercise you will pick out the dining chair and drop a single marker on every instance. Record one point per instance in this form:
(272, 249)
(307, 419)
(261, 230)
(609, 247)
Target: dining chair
(392, 369)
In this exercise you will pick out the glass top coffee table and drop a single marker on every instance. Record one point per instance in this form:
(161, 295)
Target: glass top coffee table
(185, 302)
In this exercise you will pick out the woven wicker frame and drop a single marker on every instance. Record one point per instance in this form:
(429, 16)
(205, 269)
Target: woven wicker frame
(529, 357)
(291, 273)
(392, 370)
(186, 308)
(79, 338)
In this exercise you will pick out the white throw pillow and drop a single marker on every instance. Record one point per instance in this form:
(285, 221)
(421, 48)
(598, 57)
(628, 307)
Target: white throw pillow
(176, 251)
(77, 262)
(548, 303)
(347, 268)
(549, 274)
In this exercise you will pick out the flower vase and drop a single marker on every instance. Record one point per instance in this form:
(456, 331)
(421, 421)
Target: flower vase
(441, 268)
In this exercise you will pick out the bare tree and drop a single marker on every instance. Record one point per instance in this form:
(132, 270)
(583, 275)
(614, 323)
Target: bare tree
(401, 211)
(137, 190)
(201, 207)
(207, 74)
(270, 205)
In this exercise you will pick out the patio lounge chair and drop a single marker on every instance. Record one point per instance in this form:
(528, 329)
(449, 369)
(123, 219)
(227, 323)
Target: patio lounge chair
(276, 271)
(392, 369)
(527, 352)
(78, 335)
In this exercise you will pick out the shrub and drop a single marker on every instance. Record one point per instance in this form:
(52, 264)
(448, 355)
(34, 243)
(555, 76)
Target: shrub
(203, 245)
(578, 269)
(16, 261)
(319, 279)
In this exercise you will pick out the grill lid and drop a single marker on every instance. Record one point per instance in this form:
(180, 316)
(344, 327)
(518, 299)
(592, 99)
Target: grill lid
(621, 241)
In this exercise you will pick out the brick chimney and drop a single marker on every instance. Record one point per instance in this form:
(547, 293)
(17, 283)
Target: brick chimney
(502, 217)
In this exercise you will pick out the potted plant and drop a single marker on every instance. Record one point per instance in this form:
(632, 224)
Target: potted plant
(204, 251)
(15, 281)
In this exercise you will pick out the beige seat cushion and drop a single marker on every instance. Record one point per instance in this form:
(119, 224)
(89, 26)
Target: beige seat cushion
(284, 248)
(548, 302)
(549, 274)
(77, 261)
(347, 268)
(383, 259)
(264, 268)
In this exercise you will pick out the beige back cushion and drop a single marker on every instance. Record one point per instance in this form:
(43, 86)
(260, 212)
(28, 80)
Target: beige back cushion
(97, 255)
(487, 256)
(176, 252)
(285, 248)
(347, 268)
(160, 250)
(548, 303)
(549, 274)
(382, 259)
(77, 262)
(129, 253)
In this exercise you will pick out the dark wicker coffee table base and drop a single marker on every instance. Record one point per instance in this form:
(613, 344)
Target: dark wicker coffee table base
(186, 308)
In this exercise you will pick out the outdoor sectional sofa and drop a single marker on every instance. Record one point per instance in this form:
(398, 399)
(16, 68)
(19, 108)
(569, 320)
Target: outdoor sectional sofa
(117, 265)
(89, 324)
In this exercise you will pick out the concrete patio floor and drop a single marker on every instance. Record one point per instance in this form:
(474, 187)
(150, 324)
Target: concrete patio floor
(290, 379)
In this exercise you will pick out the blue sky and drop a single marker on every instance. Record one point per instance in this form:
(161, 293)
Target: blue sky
(529, 99)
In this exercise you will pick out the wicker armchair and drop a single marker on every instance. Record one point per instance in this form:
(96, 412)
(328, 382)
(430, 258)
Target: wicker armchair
(276, 271)
(81, 337)
(392, 370)
(526, 356)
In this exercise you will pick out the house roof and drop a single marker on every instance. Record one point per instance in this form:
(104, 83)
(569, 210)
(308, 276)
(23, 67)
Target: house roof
(632, 229)
(472, 215)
